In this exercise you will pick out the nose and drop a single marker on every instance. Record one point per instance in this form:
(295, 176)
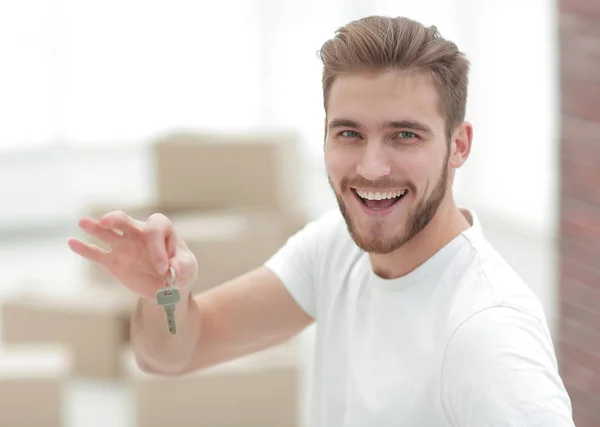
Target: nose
(374, 163)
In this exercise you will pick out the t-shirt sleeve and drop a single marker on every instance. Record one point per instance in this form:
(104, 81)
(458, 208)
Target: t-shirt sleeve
(500, 370)
(295, 265)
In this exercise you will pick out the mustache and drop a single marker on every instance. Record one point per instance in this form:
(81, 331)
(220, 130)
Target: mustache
(381, 184)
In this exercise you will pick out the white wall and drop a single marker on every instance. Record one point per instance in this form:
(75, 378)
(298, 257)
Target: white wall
(104, 77)
(84, 72)
(514, 108)
(49, 188)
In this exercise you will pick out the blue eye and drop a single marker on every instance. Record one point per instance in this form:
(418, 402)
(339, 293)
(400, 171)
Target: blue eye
(406, 134)
(349, 134)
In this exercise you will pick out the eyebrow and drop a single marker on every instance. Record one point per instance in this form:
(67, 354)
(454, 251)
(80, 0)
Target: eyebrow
(400, 124)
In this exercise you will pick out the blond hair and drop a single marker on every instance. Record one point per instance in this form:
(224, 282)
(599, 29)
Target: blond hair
(379, 43)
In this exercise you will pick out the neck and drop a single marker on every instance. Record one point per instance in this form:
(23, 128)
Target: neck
(447, 223)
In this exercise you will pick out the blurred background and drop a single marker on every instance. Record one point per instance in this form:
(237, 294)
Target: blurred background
(116, 104)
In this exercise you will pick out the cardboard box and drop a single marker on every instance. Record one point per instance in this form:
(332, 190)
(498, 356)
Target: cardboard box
(229, 246)
(219, 171)
(93, 324)
(260, 390)
(32, 386)
(225, 243)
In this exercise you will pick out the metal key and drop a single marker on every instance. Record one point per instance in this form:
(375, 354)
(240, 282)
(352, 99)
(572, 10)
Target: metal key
(168, 297)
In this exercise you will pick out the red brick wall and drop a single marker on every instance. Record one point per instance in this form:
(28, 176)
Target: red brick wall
(579, 325)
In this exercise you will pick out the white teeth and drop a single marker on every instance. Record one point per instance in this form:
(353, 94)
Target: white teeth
(380, 196)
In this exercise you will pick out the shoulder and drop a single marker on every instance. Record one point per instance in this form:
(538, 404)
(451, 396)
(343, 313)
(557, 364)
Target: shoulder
(311, 257)
(481, 335)
(481, 279)
(500, 364)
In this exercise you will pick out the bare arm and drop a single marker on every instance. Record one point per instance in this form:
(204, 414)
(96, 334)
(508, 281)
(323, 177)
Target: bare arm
(245, 315)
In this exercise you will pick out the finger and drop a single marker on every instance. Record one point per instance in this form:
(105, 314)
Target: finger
(119, 220)
(158, 232)
(90, 252)
(184, 266)
(106, 235)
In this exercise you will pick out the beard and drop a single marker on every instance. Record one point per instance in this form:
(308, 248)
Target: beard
(375, 241)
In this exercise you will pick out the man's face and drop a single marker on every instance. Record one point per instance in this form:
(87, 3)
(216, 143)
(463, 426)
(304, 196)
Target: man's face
(386, 155)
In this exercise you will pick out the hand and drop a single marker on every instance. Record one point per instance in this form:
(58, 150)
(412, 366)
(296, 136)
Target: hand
(141, 252)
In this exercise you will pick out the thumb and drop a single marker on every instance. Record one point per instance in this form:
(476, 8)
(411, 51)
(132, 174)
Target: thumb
(185, 268)
(159, 232)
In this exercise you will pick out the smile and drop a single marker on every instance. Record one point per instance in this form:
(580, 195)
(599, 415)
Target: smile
(379, 203)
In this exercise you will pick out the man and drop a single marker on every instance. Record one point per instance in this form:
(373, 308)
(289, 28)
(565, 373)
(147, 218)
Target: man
(419, 321)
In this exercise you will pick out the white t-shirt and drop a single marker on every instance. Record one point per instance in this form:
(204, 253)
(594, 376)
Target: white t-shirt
(460, 341)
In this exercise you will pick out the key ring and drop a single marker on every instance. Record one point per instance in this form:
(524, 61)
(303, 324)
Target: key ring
(172, 285)
(166, 283)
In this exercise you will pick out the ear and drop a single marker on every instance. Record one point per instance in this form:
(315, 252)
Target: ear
(460, 145)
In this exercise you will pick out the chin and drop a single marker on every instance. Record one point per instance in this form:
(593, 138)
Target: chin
(374, 235)
(376, 246)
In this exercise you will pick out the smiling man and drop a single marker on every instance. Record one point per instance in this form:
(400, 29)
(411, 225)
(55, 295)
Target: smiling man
(419, 321)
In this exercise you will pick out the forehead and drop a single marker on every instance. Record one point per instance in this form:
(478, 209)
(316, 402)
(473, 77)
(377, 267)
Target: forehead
(370, 98)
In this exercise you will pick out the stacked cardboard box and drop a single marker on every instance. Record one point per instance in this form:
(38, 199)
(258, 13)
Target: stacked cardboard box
(234, 200)
(259, 390)
(32, 380)
(92, 325)
(226, 243)
(220, 171)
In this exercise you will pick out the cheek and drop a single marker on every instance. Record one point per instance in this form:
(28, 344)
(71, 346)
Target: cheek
(434, 175)
(419, 169)
(339, 165)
